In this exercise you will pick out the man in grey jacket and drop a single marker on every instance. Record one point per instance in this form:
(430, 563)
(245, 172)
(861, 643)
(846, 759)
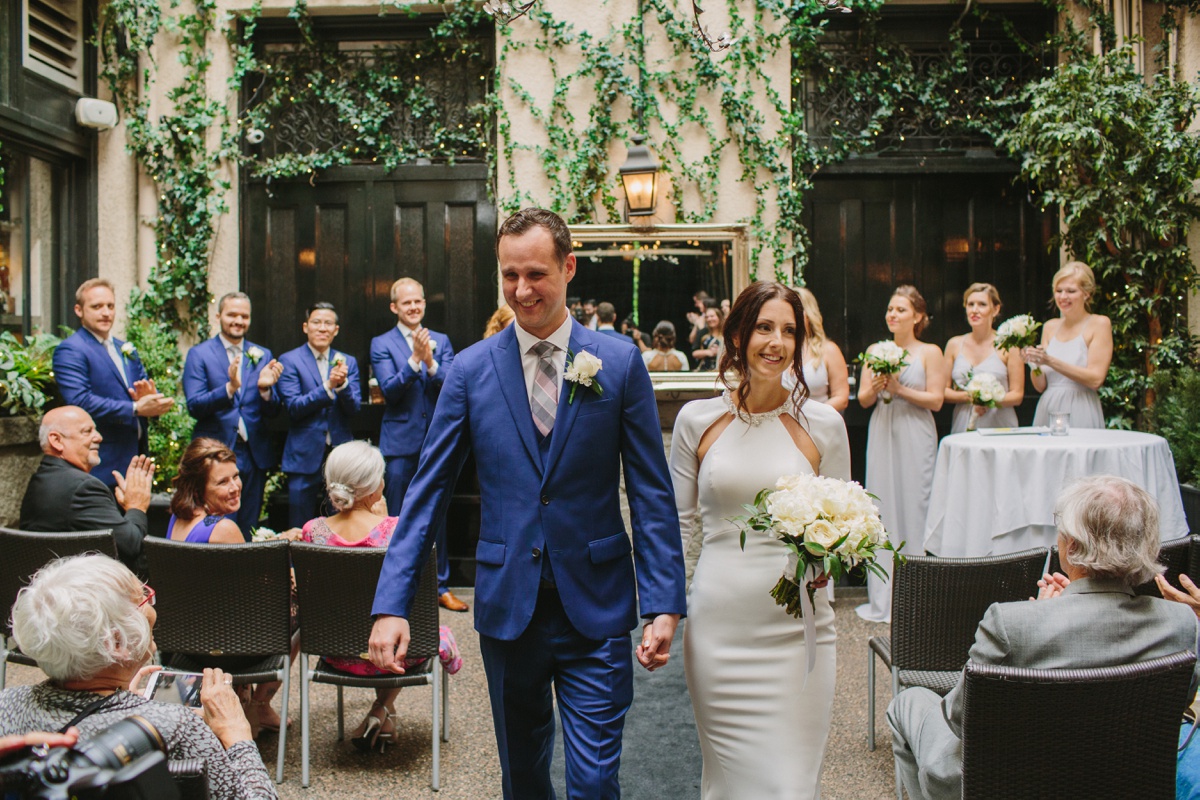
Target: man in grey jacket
(1108, 541)
(64, 496)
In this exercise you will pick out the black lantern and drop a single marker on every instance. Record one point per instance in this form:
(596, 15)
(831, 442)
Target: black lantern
(639, 175)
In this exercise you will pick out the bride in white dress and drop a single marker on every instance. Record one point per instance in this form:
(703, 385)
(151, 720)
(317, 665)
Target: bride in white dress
(762, 724)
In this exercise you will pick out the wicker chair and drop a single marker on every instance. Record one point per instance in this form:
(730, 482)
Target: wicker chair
(1174, 554)
(1113, 731)
(25, 552)
(336, 589)
(225, 600)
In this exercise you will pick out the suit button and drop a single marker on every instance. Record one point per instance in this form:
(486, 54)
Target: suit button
(545, 499)
(537, 553)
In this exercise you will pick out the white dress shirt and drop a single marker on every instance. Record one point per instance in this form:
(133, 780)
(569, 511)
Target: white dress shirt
(407, 333)
(561, 339)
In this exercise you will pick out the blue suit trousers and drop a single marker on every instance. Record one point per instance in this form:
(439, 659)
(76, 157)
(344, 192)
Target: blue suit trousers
(593, 680)
(398, 474)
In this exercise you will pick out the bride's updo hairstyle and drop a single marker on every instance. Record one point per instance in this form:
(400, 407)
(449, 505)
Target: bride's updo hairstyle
(739, 327)
(353, 471)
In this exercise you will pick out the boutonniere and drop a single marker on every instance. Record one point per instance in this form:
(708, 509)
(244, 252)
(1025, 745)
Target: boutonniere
(255, 355)
(433, 345)
(128, 350)
(581, 369)
(338, 359)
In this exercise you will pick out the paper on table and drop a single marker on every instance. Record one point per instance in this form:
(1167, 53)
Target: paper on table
(1032, 430)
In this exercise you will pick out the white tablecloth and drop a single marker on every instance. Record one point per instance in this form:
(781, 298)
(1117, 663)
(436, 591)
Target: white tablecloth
(995, 494)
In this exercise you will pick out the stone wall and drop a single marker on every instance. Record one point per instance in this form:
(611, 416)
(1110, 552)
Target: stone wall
(19, 459)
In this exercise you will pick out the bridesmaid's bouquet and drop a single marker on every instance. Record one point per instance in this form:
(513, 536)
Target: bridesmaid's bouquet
(263, 534)
(828, 526)
(884, 358)
(985, 391)
(1020, 331)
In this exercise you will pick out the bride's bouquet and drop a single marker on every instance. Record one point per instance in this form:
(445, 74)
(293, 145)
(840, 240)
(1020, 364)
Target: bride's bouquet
(1020, 331)
(828, 526)
(884, 358)
(985, 391)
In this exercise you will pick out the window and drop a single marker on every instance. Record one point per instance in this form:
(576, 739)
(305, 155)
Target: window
(29, 241)
(53, 41)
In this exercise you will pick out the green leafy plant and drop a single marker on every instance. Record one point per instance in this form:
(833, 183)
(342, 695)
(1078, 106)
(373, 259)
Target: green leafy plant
(1113, 151)
(1173, 417)
(158, 347)
(28, 372)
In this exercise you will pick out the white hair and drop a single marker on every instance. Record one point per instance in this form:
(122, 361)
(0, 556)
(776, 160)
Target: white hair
(1113, 524)
(77, 616)
(352, 471)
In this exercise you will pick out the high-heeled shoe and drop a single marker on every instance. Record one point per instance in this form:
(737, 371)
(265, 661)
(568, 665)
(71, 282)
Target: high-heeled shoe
(373, 731)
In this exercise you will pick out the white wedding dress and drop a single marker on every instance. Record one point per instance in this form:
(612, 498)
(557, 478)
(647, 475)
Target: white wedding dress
(761, 734)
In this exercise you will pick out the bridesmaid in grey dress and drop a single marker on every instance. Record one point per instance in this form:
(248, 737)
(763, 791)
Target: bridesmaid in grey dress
(902, 439)
(1075, 352)
(975, 353)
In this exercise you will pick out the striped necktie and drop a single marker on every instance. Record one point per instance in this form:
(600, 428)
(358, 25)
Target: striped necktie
(543, 400)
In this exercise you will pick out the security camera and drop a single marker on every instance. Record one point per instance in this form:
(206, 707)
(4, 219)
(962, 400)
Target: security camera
(255, 136)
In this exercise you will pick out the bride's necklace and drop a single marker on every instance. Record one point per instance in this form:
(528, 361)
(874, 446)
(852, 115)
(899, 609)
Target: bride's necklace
(750, 417)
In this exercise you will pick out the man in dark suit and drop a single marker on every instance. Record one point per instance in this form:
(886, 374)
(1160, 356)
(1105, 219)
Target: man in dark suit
(556, 589)
(410, 363)
(1089, 617)
(229, 385)
(104, 376)
(607, 314)
(320, 390)
(63, 496)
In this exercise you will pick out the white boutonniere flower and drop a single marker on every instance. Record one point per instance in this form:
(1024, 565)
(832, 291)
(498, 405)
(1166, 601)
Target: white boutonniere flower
(338, 359)
(255, 355)
(581, 370)
(128, 350)
(433, 345)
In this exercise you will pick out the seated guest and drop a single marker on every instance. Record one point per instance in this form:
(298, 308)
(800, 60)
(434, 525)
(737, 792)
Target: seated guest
(663, 357)
(319, 388)
(1108, 541)
(354, 481)
(207, 488)
(63, 496)
(89, 623)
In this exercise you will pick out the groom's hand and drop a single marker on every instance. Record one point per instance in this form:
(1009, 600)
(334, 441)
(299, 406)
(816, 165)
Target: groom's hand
(655, 648)
(389, 643)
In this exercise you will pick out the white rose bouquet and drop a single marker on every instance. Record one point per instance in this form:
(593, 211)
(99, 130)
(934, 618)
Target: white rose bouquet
(985, 391)
(263, 534)
(828, 526)
(884, 358)
(1018, 332)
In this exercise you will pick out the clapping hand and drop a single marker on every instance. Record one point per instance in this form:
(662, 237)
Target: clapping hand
(134, 487)
(235, 377)
(1190, 597)
(337, 375)
(422, 349)
(142, 388)
(1051, 586)
(269, 374)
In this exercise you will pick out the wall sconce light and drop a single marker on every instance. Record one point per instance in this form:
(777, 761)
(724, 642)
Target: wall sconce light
(639, 175)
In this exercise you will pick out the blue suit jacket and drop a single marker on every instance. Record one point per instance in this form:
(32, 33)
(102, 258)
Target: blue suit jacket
(568, 506)
(205, 373)
(410, 396)
(88, 378)
(312, 411)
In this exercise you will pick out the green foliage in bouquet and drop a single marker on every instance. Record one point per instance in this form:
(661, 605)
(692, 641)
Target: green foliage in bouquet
(169, 434)
(28, 371)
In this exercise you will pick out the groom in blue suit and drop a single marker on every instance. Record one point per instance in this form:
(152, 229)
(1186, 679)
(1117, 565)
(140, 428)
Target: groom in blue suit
(320, 390)
(104, 376)
(229, 385)
(553, 412)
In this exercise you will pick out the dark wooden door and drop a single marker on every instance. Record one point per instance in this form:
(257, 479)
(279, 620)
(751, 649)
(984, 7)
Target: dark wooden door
(939, 232)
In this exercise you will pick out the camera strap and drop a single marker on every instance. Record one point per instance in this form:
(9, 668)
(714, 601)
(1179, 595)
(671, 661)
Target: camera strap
(90, 709)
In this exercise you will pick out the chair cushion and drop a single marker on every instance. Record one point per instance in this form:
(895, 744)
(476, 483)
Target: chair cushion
(421, 675)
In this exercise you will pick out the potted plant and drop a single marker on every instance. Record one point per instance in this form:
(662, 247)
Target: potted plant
(26, 385)
(1174, 417)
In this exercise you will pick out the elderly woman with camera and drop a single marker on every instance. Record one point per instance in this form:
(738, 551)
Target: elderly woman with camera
(88, 622)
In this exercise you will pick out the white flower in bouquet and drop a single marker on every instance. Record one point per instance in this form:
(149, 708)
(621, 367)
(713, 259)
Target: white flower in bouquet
(884, 358)
(263, 534)
(828, 526)
(1018, 332)
(985, 391)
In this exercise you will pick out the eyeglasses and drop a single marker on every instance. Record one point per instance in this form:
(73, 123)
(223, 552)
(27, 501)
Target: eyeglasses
(147, 595)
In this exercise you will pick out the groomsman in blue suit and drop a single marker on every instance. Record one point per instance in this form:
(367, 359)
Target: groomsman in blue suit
(104, 376)
(320, 390)
(410, 363)
(229, 385)
(556, 588)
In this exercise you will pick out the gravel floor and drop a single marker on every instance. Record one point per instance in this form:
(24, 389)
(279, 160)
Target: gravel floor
(470, 769)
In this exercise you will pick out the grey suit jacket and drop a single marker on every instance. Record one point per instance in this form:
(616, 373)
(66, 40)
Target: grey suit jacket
(62, 497)
(1096, 622)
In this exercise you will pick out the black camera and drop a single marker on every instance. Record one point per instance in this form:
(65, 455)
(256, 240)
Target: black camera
(126, 762)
